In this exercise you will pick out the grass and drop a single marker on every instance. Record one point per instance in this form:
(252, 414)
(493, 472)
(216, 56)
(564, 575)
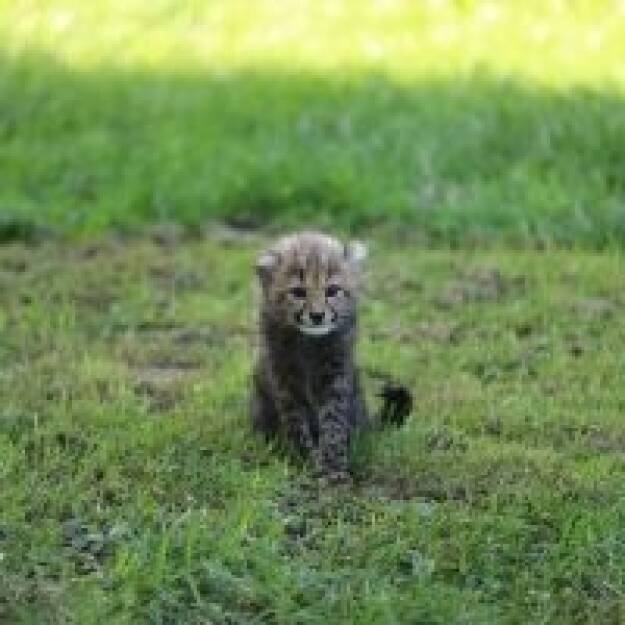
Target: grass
(465, 122)
(133, 491)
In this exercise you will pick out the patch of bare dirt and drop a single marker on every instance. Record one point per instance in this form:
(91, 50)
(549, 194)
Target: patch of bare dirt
(161, 386)
(482, 284)
(436, 331)
(175, 334)
(595, 307)
(593, 437)
(96, 299)
(171, 278)
(428, 487)
(167, 234)
(439, 331)
(14, 264)
(231, 235)
(444, 439)
(160, 372)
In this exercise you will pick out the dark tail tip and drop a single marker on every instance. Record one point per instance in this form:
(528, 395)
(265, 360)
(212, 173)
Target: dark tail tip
(397, 404)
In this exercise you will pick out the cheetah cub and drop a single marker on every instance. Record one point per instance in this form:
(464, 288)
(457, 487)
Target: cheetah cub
(306, 390)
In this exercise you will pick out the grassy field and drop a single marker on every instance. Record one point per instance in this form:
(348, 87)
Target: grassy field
(456, 137)
(133, 492)
(469, 120)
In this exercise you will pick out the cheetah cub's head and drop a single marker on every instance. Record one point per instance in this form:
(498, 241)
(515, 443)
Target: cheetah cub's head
(309, 282)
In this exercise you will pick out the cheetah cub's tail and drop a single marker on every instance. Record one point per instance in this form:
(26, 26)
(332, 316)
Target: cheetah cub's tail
(397, 404)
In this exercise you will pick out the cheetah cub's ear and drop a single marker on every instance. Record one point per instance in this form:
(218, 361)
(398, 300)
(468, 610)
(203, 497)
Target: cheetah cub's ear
(355, 253)
(265, 266)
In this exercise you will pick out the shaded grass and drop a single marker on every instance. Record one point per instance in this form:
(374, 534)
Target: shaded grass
(133, 491)
(463, 122)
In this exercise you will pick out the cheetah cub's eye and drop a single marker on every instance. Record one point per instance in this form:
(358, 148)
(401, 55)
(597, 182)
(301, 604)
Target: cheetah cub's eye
(333, 290)
(299, 292)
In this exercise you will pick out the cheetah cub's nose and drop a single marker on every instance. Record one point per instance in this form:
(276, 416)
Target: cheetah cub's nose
(316, 318)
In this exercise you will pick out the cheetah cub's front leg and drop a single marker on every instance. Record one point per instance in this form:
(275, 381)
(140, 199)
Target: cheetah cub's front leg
(335, 426)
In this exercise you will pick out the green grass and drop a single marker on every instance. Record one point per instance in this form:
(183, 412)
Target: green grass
(466, 121)
(134, 492)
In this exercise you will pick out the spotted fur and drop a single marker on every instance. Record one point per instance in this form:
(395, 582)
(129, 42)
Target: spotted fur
(306, 389)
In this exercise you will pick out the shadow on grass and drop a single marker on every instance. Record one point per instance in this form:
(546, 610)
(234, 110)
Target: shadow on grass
(458, 161)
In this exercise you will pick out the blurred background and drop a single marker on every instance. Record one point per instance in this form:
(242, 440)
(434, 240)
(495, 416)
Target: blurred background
(453, 121)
